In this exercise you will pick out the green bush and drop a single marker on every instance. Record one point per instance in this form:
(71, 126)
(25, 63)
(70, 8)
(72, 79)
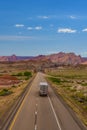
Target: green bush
(84, 84)
(5, 92)
(26, 78)
(13, 86)
(55, 80)
(28, 74)
(20, 74)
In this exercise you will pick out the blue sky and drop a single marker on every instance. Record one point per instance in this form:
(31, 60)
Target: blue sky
(33, 27)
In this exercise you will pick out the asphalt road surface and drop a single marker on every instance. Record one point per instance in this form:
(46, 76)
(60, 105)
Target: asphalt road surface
(44, 113)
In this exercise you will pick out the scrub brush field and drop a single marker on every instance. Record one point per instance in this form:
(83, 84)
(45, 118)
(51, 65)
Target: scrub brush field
(71, 84)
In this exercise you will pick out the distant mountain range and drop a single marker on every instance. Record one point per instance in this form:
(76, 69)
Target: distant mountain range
(58, 58)
(14, 58)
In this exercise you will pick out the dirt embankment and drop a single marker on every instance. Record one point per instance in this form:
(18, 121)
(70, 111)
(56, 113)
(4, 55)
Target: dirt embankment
(7, 81)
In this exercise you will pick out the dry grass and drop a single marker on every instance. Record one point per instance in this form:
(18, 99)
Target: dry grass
(71, 84)
(8, 70)
(7, 101)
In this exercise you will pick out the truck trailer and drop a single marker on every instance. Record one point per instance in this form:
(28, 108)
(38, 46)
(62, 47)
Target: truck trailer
(43, 89)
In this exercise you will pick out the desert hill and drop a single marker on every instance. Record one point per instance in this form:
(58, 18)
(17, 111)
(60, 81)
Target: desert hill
(58, 58)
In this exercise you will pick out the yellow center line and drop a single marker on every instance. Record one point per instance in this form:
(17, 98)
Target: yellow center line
(14, 120)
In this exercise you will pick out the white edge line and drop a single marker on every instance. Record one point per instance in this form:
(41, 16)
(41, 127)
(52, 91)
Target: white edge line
(57, 121)
(35, 127)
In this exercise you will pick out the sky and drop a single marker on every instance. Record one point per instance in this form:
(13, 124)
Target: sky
(38, 27)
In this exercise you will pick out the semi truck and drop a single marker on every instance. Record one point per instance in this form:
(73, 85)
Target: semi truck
(43, 89)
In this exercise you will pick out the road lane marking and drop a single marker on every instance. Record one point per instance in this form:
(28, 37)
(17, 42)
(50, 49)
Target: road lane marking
(36, 117)
(57, 121)
(14, 120)
(35, 127)
(35, 112)
(35, 120)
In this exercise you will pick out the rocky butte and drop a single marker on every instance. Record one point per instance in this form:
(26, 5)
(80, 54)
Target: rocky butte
(58, 58)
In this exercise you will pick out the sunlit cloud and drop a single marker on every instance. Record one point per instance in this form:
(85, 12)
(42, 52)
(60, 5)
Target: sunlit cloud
(72, 17)
(43, 17)
(38, 28)
(19, 25)
(84, 30)
(34, 28)
(30, 28)
(66, 30)
(84, 53)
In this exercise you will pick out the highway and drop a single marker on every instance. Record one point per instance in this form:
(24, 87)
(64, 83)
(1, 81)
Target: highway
(44, 113)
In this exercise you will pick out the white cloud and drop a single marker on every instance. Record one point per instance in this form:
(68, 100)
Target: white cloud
(38, 28)
(66, 30)
(84, 30)
(43, 17)
(30, 28)
(84, 53)
(72, 17)
(19, 25)
(35, 28)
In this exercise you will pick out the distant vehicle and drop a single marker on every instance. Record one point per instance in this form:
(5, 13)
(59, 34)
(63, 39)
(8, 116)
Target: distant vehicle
(43, 89)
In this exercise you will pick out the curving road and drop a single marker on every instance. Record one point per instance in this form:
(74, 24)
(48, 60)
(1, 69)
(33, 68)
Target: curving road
(44, 113)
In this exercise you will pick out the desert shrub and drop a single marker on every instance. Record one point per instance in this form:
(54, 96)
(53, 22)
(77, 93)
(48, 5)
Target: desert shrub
(79, 96)
(13, 86)
(84, 84)
(13, 75)
(26, 78)
(55, 80)
(19, 74)
(5, 92)
(28, 74)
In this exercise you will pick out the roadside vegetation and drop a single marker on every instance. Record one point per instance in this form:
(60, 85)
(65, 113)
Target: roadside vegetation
(12, 86)
(5, 92)
(21, 75)
(71, 84)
